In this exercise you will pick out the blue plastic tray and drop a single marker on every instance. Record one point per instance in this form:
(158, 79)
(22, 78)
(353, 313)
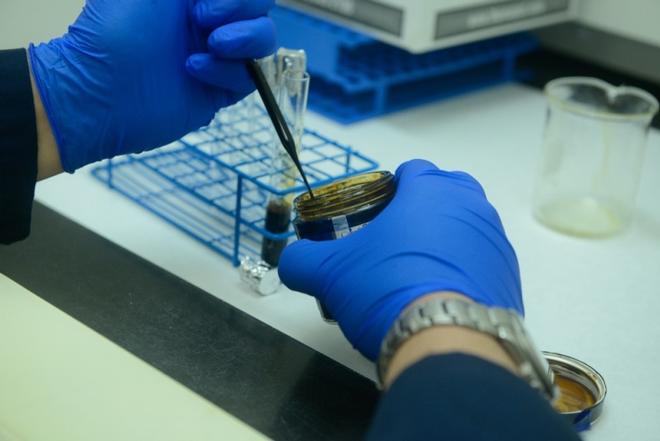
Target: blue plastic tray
(355, 77)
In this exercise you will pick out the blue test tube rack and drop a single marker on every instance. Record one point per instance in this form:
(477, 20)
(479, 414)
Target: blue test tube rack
(214, 184)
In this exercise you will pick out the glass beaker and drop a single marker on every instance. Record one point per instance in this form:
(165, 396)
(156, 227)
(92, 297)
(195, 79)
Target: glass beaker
(594, 143)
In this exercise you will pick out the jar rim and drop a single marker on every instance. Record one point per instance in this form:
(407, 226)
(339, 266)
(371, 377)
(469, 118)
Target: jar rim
(555, 99)
(345, 196)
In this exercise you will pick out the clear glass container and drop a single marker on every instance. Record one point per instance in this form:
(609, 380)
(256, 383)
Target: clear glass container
(593, 151)
(342, 208)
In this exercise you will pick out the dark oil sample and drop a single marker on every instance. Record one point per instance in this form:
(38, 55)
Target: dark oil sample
(278, 221)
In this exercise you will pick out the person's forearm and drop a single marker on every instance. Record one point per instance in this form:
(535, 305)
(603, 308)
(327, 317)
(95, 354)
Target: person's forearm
(445, 340)
(48, 160)
(462, 397)
(454, 383)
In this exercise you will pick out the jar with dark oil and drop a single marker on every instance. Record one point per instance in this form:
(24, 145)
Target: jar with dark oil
(341, 208)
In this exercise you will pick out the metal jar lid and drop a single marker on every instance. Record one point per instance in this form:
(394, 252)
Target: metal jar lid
(581, 390)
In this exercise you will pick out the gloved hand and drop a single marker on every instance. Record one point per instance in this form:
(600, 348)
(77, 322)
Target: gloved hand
(439, 233)
(131, 75)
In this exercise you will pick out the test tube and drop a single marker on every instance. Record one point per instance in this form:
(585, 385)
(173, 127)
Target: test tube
(292, 91)
(255, 105)
(214, 149)
(292, 99)
(269, 68)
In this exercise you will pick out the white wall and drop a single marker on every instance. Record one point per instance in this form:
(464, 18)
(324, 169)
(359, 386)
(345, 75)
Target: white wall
(636, 19)
(25, 21)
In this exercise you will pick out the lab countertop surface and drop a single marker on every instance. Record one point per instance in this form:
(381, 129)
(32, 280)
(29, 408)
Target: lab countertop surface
(596, 300)
(131, 400)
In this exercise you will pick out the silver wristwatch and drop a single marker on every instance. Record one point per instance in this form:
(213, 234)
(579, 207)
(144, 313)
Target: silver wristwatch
(505, 325)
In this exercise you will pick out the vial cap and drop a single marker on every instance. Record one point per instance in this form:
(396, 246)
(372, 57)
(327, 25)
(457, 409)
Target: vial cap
(259, 276)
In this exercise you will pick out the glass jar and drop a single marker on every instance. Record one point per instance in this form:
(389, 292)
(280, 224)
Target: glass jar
(341, 208)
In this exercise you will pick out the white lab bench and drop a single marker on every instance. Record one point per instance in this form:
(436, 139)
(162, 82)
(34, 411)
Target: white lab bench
(597, 300)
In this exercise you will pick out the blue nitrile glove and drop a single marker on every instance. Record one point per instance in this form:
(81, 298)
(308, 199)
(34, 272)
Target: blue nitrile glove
(132, 75)
(439, 233)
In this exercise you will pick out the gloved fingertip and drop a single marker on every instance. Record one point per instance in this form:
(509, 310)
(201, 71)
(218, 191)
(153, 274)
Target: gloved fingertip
(290, 256)
(413, 168)
(222, 40)
(246, 39)
(469, 181)
(199, 14)
(194, 63)
(210, 14)
(229, 75)
(297, 269)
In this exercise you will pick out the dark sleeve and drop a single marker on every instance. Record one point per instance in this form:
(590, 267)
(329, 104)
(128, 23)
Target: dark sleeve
(457, 397)
(18, 146)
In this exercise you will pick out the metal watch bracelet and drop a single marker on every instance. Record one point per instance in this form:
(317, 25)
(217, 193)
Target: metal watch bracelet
(505, 325)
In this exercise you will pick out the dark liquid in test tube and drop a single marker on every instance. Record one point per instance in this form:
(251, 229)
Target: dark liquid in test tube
(278, 221)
